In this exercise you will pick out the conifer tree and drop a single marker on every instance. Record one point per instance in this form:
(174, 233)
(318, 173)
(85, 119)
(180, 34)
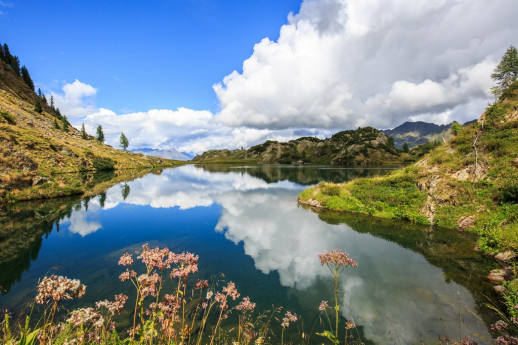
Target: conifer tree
(123, 141)
(506, 71)
(405, 148)
(52, 102)
(15, 64)
(2, 55)
(37, 107)
(83, 132)
(64, 123)
(55, 125)
(7, 54)
(100, 134)
(40, 94)
(58, 113)
(26, 77)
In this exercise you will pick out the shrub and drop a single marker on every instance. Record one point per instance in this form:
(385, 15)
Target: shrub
(330, 189)
(8, 117)
(101, 164)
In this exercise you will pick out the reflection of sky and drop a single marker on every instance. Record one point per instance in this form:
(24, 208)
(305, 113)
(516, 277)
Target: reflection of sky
(393, 289)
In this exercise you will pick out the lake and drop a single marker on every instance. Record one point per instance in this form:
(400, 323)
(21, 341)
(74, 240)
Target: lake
(412, 283)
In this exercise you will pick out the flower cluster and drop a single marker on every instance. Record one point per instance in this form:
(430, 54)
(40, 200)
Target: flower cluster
(231, 290)
(288, 317)
(323, 305)
(59, 288)
(148, 284)
(201, 284)
(115, 306)
(83, 316)
(187, 263)
(245, 304)
(336, 257)
(156, 258)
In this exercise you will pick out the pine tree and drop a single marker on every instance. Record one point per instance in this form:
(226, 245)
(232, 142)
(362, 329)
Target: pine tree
(55, 125)
(58, 113)
(83, 132)
(100, 134)
(64, 123)
(52, 102)
(26, 77)
(405, 148)
(123, 141)
(15, 64)
(40, 94)
(506, 71)
(37, 107)
(7, 54)
(2, 55)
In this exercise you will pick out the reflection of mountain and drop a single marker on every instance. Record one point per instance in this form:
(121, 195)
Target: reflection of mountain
(21, 231)
(304, 175)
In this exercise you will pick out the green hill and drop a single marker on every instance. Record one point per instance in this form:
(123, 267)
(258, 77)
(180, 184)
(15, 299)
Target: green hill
(364, 146)
(42, 156)
(468, 183)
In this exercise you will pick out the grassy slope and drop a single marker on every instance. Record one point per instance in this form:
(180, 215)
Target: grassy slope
(446, 187)
(38, 160)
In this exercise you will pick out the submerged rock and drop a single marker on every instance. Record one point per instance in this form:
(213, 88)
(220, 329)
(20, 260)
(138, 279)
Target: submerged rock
(499, 275)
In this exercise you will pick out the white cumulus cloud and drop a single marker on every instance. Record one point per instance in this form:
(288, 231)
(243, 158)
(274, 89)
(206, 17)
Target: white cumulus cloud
(349, 63)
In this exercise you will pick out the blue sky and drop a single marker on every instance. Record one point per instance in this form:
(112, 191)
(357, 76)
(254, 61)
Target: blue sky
(198, 75)
(140, 54)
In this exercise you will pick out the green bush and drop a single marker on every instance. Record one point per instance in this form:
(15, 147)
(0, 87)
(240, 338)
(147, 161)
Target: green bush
(508, 194)
(331, 190)
(102, 164)
(8, 117)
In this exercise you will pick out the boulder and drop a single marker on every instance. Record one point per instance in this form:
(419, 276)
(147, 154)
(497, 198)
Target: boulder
(499, 275)
(505, 256)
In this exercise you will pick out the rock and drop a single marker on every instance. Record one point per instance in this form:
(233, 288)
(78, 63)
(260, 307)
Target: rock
(499, 275)
(465, 222)
(499, 289)
(505, 256)
(37, 180)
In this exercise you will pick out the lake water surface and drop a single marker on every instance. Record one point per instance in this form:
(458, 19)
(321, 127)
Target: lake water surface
(412, 283)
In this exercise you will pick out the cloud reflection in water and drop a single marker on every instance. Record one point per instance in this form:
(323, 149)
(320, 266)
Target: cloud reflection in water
(393, 289)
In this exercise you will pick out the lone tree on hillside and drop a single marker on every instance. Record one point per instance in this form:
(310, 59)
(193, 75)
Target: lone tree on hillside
(100, 134)
(506, 71)
(123, 141)
(83, 132)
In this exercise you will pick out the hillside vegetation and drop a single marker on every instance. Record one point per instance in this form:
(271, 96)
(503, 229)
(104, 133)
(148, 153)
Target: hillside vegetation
(469, 183)
(41, 156)
(364, 146)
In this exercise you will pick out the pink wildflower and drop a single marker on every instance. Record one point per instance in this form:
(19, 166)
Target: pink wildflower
(245, 304)
(201, 284)
(187, 264)
(289, 317)
(126, 260)
(323, 305)
(499, 326)
(231, 290)
(113, 307)
(127, 275)
(80, 317)
(59, 288)
(222, 300)
(336, 257)
(156, 258)
(505, 340)
(149, 284)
